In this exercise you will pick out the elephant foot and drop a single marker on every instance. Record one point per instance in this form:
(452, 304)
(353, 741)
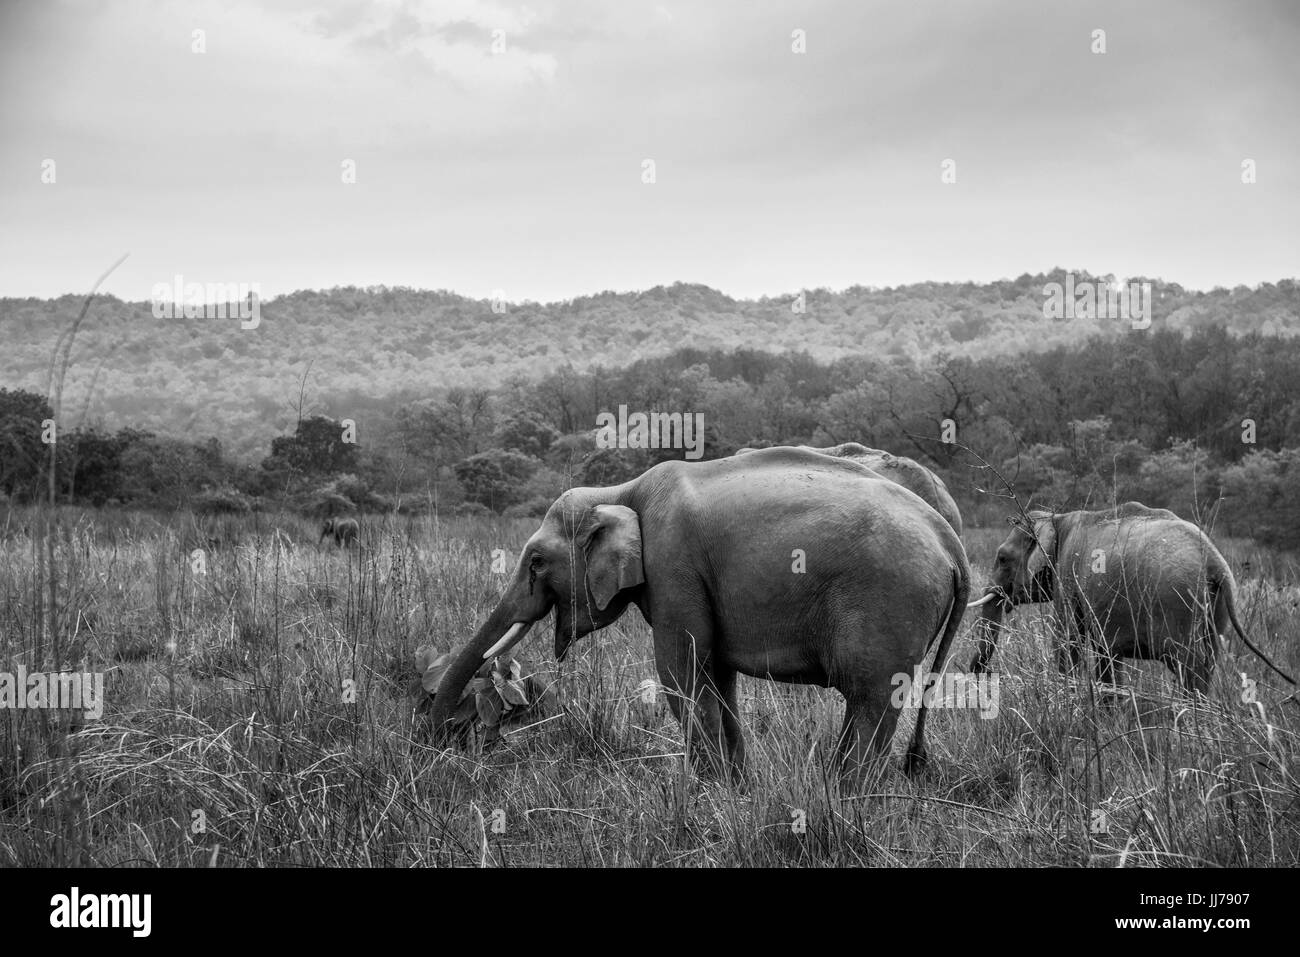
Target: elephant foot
(709, 765)
(915, 761)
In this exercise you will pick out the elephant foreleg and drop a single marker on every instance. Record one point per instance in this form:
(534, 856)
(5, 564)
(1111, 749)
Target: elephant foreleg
(987, 632)
(1072, 631)
(682, 656)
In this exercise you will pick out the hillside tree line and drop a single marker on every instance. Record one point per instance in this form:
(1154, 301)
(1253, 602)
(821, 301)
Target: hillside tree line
(1204, 422)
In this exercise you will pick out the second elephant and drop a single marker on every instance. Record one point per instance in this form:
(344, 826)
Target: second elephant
(1132, 582)
(345, 531)
(900, 470)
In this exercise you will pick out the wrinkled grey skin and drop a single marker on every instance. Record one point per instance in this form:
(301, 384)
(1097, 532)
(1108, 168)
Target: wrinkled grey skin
(705, 551)
(899, 469)
(1166, 592)
(344, 530)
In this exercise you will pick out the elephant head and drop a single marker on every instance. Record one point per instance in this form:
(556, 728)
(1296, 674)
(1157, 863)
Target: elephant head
(326, 530)
(584, 562)
(1023, 572)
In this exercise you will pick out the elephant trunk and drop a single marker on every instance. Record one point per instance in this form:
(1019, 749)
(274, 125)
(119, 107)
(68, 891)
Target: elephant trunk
(988, 627)
(502, 630)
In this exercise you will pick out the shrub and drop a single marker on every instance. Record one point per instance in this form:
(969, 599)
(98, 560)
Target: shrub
(533, 508)
(495, 478)
(1262, 497)
(225, 500)
(344, 493)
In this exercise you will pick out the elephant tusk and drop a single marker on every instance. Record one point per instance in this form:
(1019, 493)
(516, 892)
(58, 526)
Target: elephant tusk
(508, 640)
(982, 601)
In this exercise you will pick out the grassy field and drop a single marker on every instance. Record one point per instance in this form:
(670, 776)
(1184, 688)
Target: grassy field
(230, 738)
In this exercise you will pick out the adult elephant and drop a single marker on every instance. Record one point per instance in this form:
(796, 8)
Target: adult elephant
(782, 564)
(1132, 582)
(343, 530)
(909, 473)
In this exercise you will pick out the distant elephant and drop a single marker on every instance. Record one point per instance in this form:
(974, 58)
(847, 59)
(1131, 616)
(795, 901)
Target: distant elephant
(1135, 582)
(898, 469)
(344, 530)
(740, 567)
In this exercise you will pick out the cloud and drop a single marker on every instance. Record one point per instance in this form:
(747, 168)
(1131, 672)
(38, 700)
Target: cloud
(479, 46)
(521, 168)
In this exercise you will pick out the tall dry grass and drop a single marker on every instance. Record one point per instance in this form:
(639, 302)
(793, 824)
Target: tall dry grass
(230, 735)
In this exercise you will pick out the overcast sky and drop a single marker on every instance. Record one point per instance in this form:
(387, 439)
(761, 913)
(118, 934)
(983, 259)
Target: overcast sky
(522, 170)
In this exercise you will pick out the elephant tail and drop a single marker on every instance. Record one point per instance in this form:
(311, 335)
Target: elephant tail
(915, 761)
(1225, 599)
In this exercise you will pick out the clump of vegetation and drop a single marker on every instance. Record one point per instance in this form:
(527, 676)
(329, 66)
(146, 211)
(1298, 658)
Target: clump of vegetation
(495, 478)
(535, 507)
(342, 495)
(221, 501)
(501, 693)
(326, 503)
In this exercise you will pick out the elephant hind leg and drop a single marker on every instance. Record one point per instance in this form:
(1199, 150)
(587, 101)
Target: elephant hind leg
(863, 744)
(733, 734)
(1192, 667)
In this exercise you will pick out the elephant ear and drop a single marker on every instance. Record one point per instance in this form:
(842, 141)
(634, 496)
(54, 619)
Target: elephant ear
(1044, 532)
(1041, 559)
(612, 548)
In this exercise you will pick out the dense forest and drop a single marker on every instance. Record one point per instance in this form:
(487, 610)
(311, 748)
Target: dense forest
(1202, 420)
(365, 351)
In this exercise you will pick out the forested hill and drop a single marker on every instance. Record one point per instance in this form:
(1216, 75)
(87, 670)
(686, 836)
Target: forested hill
(207, 376)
